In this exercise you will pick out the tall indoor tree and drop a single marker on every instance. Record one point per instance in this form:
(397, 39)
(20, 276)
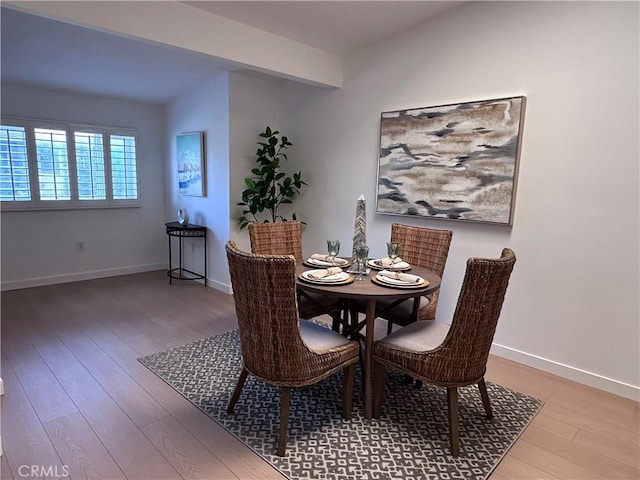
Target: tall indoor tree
(269, 188)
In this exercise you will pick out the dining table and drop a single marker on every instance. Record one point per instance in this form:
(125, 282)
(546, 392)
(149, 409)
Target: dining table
(369, 292)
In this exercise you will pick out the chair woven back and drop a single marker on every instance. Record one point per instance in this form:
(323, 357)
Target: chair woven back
(264, 290)
(462, 357)
(279, 238)
(425, 247)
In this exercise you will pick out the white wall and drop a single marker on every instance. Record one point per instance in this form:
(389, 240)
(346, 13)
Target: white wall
(205, 109)
(232, 109)
(255, 103)
(38, 247)
(572, 305)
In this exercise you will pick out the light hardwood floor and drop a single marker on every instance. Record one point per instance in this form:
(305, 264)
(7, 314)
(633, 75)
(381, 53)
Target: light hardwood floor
(76, 396)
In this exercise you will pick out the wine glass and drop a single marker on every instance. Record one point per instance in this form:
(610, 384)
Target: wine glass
(362, 252)
(333, 247)
(393, 249)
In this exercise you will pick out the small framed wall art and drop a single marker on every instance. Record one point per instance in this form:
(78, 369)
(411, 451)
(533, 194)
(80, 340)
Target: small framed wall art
(456, 161)
(190, 149)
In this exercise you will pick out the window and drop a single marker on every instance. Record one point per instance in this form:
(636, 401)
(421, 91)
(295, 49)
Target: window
(53, 164)
(56, 165)
(14, 167)
(90, 166)
(123, 167)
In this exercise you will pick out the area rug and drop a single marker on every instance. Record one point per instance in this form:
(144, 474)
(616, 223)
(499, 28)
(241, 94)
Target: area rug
(409, 441)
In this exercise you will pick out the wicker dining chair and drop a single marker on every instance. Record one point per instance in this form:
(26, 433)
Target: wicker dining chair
(277, 346)
(285, 238)
(454, 356)
(425, 247)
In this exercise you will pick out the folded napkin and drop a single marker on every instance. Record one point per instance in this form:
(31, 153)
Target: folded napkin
(387, 262)
(407, 278)
(328, 258)
(320, 274)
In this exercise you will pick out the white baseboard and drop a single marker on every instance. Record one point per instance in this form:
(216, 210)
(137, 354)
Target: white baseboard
(566, 371)
(79, 276)
(223, 287)
(110, 272)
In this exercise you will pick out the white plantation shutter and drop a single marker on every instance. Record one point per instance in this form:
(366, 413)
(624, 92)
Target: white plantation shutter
(45, 165)
(124, 175)
(53, 164)
(14, 164)
(90, 166)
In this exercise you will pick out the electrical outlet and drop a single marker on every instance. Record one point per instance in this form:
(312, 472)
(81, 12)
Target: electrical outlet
(79, 246)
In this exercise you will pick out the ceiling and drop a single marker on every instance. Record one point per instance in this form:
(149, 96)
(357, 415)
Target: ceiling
(334, 26)
(48, 53)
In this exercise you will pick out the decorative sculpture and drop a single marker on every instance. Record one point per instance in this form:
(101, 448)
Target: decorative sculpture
(360, 230)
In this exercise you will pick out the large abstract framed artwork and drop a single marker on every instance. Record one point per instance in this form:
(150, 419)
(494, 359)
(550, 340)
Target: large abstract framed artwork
(457, 161)
(191, 164)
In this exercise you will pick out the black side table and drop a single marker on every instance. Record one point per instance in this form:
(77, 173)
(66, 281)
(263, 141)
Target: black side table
(175, 229)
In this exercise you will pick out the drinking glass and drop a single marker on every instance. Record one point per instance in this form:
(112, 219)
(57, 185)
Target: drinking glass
(393, 250)
(333, 247)
(362, 253)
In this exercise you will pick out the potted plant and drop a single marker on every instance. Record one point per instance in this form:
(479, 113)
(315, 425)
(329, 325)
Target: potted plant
(269, 187)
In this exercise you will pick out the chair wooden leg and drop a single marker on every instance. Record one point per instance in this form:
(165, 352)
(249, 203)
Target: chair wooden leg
(347, 391)
(341, 318)
(285, 400)
(238, 390)
(485, 398)
(452, 402)
(336, 321)
(378, 388)
(352, 323)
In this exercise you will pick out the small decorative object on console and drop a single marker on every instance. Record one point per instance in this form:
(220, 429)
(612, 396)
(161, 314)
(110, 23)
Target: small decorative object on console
(183, 216)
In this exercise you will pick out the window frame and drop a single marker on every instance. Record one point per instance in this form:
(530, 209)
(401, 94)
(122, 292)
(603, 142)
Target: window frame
(70, 128)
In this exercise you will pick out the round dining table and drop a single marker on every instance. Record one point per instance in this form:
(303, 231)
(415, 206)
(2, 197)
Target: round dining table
(368, 292)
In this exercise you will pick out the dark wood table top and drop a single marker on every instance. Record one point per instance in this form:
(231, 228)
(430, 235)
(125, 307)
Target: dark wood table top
(366, 289)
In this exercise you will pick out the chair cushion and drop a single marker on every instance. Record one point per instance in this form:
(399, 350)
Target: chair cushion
(319, 338)
(419, 336)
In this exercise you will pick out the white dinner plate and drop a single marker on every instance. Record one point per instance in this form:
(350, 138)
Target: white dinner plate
(400, 266)
(335, 278)
(340, 262)
(400, 283)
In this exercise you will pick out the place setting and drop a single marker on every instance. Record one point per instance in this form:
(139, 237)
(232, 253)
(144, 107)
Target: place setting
(330, 260)
(391, 262)
(395, 279)
(392, 270)
(332, 273)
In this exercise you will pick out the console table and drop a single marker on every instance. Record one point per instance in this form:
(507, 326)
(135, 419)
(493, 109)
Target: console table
(189, 230)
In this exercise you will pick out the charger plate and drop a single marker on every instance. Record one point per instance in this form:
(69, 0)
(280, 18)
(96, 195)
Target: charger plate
(372, 263)
(348, 278)
(312, 262)
(375, 279)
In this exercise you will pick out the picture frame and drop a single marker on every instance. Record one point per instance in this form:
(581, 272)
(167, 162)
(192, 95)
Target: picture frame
(190, 159)
(456, 161)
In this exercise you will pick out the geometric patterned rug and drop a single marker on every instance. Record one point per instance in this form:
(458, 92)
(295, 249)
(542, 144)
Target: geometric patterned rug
(409, 441)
